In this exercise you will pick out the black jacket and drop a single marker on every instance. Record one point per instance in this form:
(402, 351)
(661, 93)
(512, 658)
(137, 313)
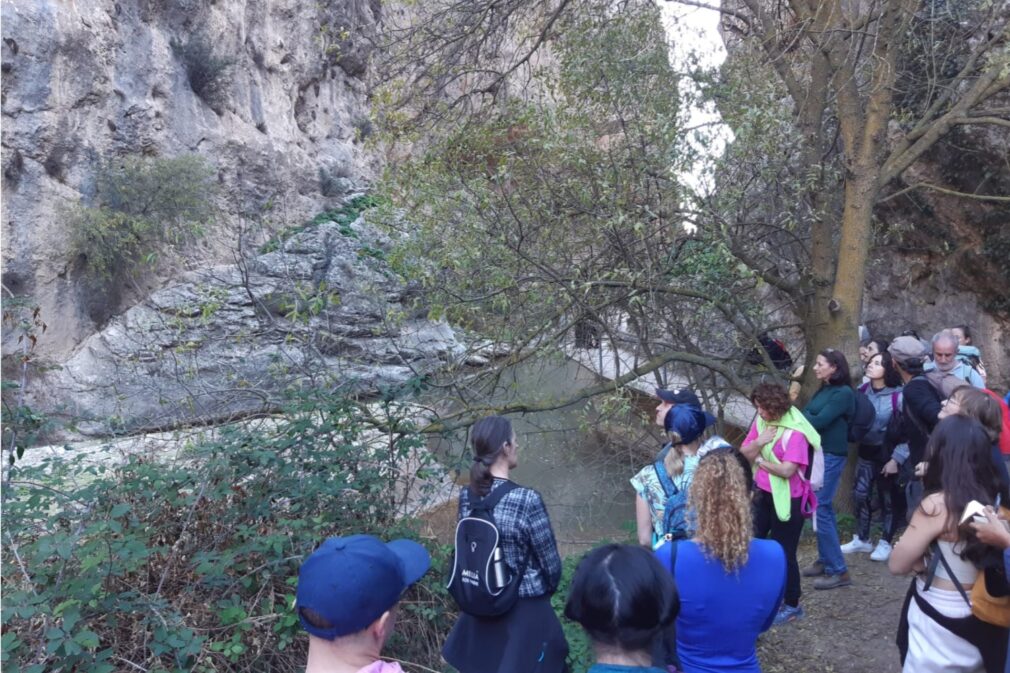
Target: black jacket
(920, 410)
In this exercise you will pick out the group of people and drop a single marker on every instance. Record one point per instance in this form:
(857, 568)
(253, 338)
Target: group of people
(718, 529)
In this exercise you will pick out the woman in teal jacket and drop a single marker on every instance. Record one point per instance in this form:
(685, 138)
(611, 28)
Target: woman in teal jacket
(829, 412)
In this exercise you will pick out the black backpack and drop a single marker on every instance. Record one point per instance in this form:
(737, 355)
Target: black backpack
(472, 581)
(863, 418)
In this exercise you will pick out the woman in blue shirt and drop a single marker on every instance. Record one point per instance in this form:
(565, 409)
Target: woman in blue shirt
(624, 599)
(730, 585)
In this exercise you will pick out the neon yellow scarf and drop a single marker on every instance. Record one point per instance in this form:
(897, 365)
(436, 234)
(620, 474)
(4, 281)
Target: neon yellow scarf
(792, 420)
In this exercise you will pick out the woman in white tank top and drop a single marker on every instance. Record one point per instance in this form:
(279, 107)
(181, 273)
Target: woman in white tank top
(938, 633)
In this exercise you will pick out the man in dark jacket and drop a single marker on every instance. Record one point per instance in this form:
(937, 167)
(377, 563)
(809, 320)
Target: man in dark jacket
(920, 410)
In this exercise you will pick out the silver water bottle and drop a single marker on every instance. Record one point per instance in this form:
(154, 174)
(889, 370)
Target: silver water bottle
(498, 564)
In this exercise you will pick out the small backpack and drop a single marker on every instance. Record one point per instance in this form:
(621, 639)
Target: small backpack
(472, 580)
(780, 358)
(675, 518)
(944, 383)
(862, 420)
(814, 474)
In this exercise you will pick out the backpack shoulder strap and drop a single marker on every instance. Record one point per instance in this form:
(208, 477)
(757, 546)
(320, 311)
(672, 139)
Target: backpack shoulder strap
(910, 413)
(863, 387)
(669, 488)
(895, 396)
(673, 558)
(488, 502)
(784, 439)
(931, 571)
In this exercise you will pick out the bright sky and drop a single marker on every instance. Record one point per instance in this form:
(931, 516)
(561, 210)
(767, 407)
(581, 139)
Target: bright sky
(694, 29)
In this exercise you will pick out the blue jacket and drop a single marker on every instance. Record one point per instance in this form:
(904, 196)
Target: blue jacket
(962, 370)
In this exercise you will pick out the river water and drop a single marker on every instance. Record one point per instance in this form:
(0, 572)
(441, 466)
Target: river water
(579, 459)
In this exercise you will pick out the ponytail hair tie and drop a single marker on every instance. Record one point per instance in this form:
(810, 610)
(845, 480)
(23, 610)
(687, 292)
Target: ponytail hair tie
(478, 459)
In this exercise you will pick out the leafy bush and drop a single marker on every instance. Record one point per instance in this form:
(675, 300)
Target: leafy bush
(343, 216)
(21, 426)
(206, 69)
(427, 614)
(191, 565)
(580, 649)
(141, 204)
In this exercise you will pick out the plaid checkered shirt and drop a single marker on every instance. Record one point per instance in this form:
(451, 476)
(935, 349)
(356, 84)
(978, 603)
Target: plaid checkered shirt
(528, 537)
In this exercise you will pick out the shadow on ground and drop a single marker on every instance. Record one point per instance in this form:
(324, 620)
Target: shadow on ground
(846, 630)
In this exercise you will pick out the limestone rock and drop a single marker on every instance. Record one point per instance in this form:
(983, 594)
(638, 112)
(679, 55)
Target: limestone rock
(225, 342)
(87, 81)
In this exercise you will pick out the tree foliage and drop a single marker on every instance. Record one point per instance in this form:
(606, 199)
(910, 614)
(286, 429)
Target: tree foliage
(142, 204)
(560, 212)
(546, 191)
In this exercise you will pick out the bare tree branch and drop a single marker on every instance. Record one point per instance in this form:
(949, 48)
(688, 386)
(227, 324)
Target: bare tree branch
(944, 190)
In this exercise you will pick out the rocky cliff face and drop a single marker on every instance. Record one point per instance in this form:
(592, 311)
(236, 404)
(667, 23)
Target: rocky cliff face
(941, 260)
(87, 81)
(319, 308)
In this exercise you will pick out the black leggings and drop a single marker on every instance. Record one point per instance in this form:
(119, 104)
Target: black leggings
(786, 533)
(869, 482)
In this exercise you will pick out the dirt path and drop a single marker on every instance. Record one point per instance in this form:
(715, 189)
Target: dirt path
(847, 630)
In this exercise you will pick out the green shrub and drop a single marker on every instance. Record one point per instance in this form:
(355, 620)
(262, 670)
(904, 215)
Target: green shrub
(142, 204)
(206, 69)
(191, 565)
(343, 216)
(21, 426)
(427, 614)
(580, 649)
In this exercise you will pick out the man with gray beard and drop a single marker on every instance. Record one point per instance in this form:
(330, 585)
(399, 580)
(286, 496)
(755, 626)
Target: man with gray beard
(946, 372)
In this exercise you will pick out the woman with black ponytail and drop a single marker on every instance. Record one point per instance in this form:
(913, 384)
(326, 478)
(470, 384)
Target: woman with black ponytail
(529, 636)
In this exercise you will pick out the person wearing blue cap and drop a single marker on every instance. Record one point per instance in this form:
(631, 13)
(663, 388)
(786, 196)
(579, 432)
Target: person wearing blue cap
(346, 599)
(668, 399)
(671, 473)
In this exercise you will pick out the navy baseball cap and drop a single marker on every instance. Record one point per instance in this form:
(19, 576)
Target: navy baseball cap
(678, 396)
(687, 421)
(351, 581)
(686, 397)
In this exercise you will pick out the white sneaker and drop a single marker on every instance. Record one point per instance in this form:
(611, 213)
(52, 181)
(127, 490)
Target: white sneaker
(882, 552)
(857, 545)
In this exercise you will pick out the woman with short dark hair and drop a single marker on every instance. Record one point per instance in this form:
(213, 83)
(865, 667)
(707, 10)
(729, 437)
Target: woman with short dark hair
(778, 444)
(829, 411)
(967, 351)
(624, 599)
(871, 348)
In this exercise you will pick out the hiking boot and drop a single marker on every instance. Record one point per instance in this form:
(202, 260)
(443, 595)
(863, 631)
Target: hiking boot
(815, 569)
(882, 552)
(857, 545)
(787, 614)
(833, 581)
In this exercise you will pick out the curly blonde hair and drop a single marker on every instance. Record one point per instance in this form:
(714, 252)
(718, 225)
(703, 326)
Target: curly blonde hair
(721, 502)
